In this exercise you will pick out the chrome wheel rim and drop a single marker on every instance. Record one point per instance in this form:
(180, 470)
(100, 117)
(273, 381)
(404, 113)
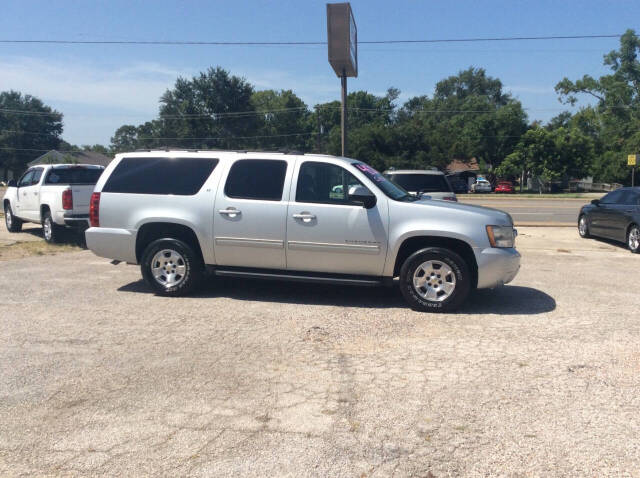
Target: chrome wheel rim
(8, 218)
(434, 280)
(634, 239)
(582, 226)
(47, 228)
(168, 268)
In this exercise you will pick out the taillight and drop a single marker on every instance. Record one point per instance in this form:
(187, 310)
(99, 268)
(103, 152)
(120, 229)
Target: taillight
(94, 210)
(450, 198)
(67, 199)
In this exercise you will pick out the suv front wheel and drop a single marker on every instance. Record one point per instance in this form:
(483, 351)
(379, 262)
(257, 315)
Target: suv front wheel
(171, 267)
(434, 280)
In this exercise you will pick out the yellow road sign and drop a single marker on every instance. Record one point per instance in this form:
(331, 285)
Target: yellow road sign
(631, 159)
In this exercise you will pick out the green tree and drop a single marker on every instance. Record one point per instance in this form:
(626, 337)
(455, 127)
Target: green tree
(211, 110)
(614, 120)
(283, 121)
(28, 127)
(549, 155)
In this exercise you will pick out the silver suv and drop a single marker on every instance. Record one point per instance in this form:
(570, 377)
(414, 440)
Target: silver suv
(310, 218)
(426, 183)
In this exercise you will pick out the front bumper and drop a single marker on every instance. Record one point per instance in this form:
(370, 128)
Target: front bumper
(496, 266)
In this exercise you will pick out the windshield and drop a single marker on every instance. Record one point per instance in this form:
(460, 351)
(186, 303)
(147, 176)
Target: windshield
(73, 175)
(429, 183)
(390, 189)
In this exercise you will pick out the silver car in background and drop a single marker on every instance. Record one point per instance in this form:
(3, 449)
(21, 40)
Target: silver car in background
(427, 183)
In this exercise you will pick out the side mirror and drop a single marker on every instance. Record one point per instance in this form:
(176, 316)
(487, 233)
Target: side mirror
(361, 195)
(12, 183)
(595, 202)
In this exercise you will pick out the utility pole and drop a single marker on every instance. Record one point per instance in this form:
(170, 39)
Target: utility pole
(343, 116)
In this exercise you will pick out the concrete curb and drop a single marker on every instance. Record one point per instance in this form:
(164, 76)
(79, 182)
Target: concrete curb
(545, 224)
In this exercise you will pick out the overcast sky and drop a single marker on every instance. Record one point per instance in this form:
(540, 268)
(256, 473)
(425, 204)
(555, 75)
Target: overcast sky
(100, 87)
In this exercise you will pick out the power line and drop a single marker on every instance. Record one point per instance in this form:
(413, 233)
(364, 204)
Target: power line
(298, 43)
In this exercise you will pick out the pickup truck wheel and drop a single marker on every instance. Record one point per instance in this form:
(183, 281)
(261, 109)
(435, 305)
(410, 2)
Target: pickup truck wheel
(13, 223)
(435, 280)
(50, 230)
(171, 267)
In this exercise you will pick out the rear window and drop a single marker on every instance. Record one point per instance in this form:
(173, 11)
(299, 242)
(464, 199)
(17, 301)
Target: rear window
(421, 182)
(73, 175)
(179, 176)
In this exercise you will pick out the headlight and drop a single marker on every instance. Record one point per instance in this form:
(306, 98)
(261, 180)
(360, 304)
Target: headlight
(501, 236)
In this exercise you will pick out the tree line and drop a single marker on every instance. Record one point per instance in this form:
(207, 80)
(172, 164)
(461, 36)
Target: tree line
(469, 116)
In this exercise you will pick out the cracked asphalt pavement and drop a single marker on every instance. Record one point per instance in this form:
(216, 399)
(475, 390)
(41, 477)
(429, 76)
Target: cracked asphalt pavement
(538, 378)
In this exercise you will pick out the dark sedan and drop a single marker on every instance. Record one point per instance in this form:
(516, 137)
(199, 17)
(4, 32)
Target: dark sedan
(616, 216)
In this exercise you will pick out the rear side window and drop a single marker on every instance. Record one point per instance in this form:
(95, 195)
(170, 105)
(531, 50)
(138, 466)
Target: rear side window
(256, 179)
(73, 175)
(36, 175)
(179, 176)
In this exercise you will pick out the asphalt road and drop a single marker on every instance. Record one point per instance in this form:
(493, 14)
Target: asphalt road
(533, 211)
(539, 378)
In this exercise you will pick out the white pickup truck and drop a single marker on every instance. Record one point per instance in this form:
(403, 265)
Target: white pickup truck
(54, 195)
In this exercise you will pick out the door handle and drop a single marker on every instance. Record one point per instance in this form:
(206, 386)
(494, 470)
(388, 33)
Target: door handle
(305, 216)
(231, 212)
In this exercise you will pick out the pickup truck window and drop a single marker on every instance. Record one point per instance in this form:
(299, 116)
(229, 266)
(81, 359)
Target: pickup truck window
(179, 176)
(37, 174)
(25, 180)
(390, 189)
(324, 183)
(73, 175)
(256, 179)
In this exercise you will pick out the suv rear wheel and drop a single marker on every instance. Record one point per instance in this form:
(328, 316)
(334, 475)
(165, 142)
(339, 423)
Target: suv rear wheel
(435, 280)
(171, 267)
(13, 223)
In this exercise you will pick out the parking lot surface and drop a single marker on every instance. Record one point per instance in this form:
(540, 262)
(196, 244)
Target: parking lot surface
(538, 378)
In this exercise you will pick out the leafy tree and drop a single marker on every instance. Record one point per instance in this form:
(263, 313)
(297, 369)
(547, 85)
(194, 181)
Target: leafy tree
(614, 120)
(209, 111)
(550, 155)
(27, 127)
(284, 117)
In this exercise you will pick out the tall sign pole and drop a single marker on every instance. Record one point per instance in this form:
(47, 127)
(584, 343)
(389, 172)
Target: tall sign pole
(632, 161)
(342, 39)
(343, 115)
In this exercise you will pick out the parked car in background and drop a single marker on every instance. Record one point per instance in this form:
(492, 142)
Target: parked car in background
(481, 186)
(505, 187)
(280, 216)
(616, 216)
(429, 182)
(56, 196)
(458, 185)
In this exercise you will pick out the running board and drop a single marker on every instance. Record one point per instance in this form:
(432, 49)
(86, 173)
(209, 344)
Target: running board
(318, 279)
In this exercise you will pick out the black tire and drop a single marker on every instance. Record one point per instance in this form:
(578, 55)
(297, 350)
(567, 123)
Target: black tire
(634, 245)
(461, 280)
(584, 232)
(175, 284)
(51, 232)
(13, 223)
